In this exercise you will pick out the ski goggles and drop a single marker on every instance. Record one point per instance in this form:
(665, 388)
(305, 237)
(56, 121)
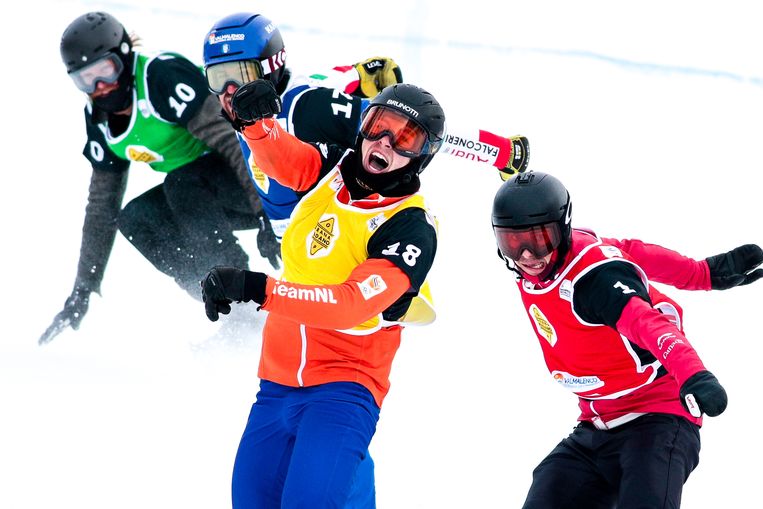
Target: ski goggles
(540, 240)
(106, 70)
(406, 136)
(238, 72)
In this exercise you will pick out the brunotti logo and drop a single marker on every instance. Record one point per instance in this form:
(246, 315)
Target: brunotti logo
(404, 107)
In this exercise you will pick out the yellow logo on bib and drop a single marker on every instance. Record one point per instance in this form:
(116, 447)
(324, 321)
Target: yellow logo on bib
(142, 154)
(542, 324)
(322, 235)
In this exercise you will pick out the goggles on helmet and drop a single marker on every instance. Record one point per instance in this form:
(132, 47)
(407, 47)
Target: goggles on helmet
(238, 72)
(540, 240)
(106, 69)
(407, 137)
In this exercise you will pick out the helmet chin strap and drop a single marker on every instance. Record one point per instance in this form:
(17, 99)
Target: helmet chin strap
(283, 81)
(513, 268)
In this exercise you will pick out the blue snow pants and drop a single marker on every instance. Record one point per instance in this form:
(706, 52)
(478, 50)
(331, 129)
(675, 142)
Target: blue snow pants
(307, 447)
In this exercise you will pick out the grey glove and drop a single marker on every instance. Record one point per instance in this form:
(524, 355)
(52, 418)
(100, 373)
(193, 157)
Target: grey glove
(267, 243)
(74, 311)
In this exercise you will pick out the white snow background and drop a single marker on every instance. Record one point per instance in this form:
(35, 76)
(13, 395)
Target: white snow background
(650, 112)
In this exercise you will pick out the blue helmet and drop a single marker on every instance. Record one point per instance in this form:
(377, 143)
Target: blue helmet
(247, 36)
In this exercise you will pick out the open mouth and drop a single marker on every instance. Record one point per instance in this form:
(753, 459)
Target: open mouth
(532, 267)
(377, 161)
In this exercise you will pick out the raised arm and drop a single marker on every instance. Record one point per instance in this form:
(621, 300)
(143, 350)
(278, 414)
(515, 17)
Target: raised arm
(278, 154)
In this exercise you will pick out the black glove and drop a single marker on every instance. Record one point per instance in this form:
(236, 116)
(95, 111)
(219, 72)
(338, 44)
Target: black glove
(74, 311)
(256, 100)
(267, 243)
(735, 268)
(235, 123)
(520, 158)
(703, 393)
(375, 74)
(223, 285)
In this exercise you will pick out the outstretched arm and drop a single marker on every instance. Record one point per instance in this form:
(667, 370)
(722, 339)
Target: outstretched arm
(372, 287)
(364, 79)
(509, 155)
(720, 272)
(664, 265)
(99, 230)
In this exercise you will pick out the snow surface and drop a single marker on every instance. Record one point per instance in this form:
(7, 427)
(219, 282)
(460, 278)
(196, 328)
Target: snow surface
(651, 113)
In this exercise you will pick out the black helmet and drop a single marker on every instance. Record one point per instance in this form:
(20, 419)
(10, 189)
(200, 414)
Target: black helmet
(534, 199)
(414, 105)
(419, 106)
(93, 36)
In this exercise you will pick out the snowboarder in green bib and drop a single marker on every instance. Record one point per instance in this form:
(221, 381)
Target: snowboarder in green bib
(154, 109)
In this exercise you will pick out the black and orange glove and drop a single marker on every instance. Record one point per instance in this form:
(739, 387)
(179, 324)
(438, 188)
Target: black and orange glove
(520, 158)
(375, 74)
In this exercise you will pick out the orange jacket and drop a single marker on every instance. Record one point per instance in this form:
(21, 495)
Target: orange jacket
(325, 320)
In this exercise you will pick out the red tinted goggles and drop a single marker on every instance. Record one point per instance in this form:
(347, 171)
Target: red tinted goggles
(540, 240)
(407, 137)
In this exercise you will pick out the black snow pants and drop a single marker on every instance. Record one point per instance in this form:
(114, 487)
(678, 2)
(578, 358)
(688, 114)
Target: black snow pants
(185, 225)
(642, 464)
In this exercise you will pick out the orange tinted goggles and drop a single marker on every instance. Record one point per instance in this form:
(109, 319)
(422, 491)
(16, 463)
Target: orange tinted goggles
(539, 240)
(407, 137)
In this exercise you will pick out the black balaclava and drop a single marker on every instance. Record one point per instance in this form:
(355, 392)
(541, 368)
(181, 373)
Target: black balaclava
(118, 100)
(361, 184)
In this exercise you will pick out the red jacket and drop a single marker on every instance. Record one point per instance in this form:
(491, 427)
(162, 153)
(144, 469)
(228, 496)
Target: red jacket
(637, 368)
